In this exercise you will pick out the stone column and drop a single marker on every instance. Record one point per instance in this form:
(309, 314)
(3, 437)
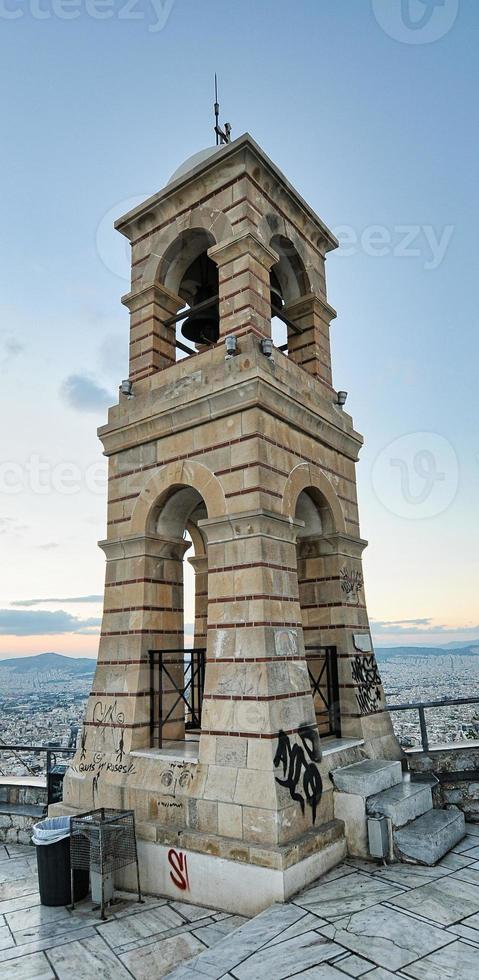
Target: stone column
(259, 736)
(334, 613)
(200, 566)
(152, 343)
(243, 264)
(311, 348)
(143, 611)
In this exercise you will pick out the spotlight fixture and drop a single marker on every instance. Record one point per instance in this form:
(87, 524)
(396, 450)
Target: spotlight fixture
(267, 346)
(231, 344)
(342, 396)
(126, 388)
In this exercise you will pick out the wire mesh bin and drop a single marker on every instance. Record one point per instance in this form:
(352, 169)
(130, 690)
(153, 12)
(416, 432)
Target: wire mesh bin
(103, 841)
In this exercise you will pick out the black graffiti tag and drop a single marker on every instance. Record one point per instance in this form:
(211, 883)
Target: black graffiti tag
(300, 769)
(365, 674)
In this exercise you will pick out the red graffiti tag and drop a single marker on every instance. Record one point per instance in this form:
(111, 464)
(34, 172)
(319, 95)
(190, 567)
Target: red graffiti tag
(179, 872)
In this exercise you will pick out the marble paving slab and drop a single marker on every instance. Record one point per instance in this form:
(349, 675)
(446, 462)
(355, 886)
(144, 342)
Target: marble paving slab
(470, 874)
(217, 930)
(6, 938)
(472, 828)
(444, 902)
(279, 961)
(455, 962)
(117, 932)
(323, 972)
(469, 844)
(158, 959)
(34, 966)
(386, 936)
(85, 960)
(47, 942)
(347, 894)
(225, 956)
(12, 869)
(465, 932)
(355, 966)
(19, 886)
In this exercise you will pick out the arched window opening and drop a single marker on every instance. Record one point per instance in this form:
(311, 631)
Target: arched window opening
(288, 281)
(177, 664)
(188, 271)
(313, 510)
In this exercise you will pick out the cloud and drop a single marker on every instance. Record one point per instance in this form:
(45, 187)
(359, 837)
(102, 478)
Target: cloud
(10, 349)
(48, 545)
(16, 623)
(71, 598)
(82, 393)
(419, 627)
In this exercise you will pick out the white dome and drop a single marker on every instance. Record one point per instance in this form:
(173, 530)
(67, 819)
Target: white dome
(193, 162)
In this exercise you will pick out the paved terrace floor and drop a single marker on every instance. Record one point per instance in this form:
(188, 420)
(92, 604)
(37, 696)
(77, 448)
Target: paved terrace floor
(359, 920)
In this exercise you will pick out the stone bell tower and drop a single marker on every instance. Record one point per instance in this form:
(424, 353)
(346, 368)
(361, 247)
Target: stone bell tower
(243, 445)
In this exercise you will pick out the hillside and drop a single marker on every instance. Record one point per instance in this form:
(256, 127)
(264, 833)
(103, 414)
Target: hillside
(48, 662)
(389, 653)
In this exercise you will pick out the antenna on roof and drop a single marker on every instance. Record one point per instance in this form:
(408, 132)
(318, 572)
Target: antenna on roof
(222, 135)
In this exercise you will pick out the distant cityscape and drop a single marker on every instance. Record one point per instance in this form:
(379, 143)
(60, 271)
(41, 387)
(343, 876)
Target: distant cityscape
(43, 699)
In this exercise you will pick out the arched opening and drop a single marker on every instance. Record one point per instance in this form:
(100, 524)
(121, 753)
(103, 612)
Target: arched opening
(314, 512)
(177, 665)
(188, 271)
(288, 281)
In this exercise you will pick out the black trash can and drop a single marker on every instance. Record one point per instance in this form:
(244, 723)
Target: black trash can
(53, 860)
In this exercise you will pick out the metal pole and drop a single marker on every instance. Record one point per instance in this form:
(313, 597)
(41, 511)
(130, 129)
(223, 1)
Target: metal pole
(423, 726)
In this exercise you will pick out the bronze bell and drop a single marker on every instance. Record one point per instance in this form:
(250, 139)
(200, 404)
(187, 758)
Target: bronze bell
(203, 326)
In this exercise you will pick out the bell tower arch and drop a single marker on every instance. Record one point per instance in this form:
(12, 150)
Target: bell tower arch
(241, 445)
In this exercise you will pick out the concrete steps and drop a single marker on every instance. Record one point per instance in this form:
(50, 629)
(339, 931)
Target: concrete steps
(387, 814)
(368, 777)
(428, 838)
(401, 803)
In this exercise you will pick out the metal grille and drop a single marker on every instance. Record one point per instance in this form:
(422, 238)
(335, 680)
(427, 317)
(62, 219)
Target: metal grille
(103, 841)
(323, 674)
(177, 680)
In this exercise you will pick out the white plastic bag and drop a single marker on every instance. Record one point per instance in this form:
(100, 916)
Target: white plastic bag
(51, 830)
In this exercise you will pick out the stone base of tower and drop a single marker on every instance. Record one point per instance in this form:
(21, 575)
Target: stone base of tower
(235, 884)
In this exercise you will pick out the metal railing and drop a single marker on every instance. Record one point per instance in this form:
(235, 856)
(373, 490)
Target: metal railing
(422, 706)
(325, 685)
(177, 680)
(50, 752)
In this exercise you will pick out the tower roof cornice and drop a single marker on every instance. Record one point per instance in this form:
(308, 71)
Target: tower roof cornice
(234, 158)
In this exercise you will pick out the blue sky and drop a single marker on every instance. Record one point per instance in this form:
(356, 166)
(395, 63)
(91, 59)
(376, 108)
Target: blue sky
(370, 109)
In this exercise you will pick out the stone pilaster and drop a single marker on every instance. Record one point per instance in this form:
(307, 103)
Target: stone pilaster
(334, 613)
(311, 348)
(200, 566)
(244, 284)
(259, 734)
(152, 342)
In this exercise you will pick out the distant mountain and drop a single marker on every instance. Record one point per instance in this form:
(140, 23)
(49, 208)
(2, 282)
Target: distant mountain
(388, 653)
(47, 662)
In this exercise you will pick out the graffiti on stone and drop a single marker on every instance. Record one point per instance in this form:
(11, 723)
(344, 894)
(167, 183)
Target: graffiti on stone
(286, 643)
(179, 869)
(83, 744)
(365, 674)
(301, 775)
(351, 584)
(178, 775)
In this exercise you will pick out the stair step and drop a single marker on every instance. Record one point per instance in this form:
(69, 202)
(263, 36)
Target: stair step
(36, 810)
(368, 777)
(428, 838)
(402, 803)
